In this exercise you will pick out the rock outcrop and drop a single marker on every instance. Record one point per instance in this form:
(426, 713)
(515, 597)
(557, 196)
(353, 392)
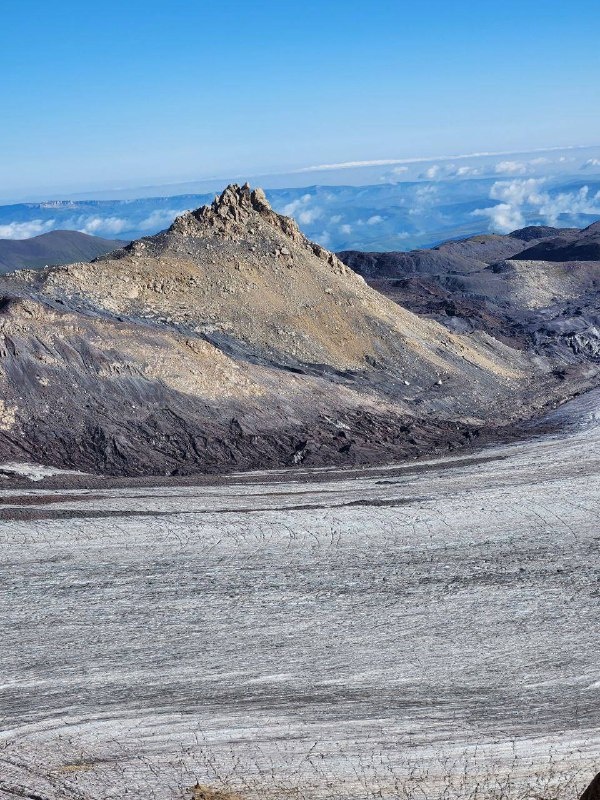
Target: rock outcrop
(566, 246)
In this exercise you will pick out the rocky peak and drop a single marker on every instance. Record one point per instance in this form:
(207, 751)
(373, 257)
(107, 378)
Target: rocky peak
(230, 212)
(242, 212)
(238, 202)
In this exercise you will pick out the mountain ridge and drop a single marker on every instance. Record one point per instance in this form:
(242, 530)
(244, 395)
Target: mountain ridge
(230, 341)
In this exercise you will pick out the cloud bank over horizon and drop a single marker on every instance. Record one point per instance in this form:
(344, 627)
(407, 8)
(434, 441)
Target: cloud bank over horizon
(375, 205)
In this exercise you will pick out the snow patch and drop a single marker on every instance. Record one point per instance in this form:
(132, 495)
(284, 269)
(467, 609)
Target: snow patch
(34, 472)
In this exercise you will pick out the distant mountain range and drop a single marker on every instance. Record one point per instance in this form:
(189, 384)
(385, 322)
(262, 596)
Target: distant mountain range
(55, 247)
(379, 217)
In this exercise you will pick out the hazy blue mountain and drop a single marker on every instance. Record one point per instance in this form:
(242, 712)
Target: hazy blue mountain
(55, 247)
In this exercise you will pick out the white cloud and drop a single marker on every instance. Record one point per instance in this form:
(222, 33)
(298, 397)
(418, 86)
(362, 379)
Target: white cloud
(426, 193)
(335, 219)
(346, 229)
(103, 225)
(299, 209)
(378, 162)
(517, 192)
(425, 159)
(519, 197)
(94, 225)
(440, 171)
(503, 217)
(431, 172)
(291, 208)
(507, 215)
(308, 216)
(591, 163)
(511, 168)
(394, 175)
(463, 172)
(374, 220)
(161, 218)
(25, 230)
(424, 198)
(521, 167)
(570, 203)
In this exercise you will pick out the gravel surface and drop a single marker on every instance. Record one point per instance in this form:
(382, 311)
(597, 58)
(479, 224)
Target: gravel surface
(319, 637)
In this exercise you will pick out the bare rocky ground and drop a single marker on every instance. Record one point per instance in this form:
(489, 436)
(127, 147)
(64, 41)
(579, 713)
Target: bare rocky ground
(420, 631)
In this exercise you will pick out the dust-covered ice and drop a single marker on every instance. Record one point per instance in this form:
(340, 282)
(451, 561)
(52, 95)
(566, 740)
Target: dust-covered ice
(308, 635)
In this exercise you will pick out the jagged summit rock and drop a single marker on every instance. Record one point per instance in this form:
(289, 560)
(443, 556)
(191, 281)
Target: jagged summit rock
(239, 211)
(235, 206)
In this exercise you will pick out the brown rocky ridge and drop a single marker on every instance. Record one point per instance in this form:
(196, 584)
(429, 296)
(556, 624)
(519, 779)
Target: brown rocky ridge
(230, 341)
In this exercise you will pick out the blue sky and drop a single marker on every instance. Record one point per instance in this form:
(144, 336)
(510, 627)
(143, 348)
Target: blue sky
(123, 94)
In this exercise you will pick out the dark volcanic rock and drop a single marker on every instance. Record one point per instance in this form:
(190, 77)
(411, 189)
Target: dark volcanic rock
(460, 257)
(570, 246)
(593, 790)
(543, 297)
(537, 232)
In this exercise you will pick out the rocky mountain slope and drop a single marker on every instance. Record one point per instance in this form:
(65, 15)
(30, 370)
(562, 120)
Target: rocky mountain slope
(535, 289)
(55, 247)
(231, 341)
